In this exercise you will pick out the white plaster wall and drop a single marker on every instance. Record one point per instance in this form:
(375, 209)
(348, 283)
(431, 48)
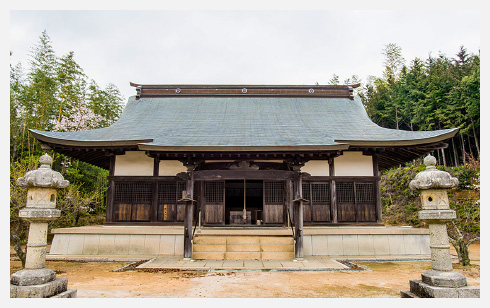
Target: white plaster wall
(353, 164)
(134, 163)
(170, 168)
(316, 168)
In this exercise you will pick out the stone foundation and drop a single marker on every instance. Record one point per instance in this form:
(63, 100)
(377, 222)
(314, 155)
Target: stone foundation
(162, 240)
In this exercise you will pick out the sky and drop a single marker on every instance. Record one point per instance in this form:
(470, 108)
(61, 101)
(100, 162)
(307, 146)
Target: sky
(239, 46)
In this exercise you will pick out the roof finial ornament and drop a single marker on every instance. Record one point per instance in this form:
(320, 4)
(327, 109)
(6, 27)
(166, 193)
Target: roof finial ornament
(430, 162)
(432, 178)
(43, 176)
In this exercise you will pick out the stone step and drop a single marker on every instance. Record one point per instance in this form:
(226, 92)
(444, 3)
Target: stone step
(70, 293)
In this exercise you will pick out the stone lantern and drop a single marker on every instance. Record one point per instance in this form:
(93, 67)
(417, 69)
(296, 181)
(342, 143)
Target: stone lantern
(35, 280)
(441, 280)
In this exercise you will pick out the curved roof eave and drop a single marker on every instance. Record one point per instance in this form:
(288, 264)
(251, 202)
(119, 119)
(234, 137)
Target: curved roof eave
(40, 135)
(445, 134)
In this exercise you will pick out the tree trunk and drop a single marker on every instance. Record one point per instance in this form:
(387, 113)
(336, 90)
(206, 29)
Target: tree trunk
(396, 117)
(469, 147)
(18, 248)
(443, 157)
(462, 148)
(476, 138)
(455, 153)
(463, 253)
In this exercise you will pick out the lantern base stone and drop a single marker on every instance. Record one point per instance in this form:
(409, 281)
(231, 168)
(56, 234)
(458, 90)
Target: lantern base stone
(444, 279)
(28, 277)
(53, 288)
(423, 290)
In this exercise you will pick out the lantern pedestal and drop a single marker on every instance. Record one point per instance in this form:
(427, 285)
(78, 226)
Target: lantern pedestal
(35, 280)
(441, 280)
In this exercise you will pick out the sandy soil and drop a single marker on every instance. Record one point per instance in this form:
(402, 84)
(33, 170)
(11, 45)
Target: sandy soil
(382, 279)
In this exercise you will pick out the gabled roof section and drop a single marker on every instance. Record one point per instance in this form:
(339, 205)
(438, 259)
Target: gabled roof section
(216, 122)
(331, 91)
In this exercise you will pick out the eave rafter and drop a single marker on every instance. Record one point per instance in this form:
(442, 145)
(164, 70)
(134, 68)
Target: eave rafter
(392, 156)
(247, 156)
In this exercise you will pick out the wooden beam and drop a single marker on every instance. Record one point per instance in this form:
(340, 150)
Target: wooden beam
(214, 175)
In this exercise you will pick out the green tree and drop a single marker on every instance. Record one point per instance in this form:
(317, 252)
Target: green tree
(72, 84)
(108, 102)
(334, 80)
(54, 91)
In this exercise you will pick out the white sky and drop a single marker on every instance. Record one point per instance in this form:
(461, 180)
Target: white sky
(239, 47)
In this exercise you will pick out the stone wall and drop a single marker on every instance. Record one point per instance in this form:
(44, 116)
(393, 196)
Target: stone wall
(160, 240)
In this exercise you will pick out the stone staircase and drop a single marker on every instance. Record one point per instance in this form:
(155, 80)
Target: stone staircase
(242, 247)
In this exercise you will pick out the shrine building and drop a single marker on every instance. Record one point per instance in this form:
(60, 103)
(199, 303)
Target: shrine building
(296, 161)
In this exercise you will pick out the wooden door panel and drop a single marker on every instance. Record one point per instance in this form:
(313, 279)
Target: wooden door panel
(273, 213)
(166, 212)
(214, 213)
(346, 212)
(122, 212)
(140, 212)
(366, 212)
(307, 212)
(320, 212)
(180, 212)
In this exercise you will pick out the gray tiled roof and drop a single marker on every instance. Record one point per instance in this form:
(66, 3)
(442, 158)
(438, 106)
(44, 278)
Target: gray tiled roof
(215, 123)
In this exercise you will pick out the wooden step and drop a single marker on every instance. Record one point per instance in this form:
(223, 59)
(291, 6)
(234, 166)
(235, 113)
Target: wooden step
(243, 247)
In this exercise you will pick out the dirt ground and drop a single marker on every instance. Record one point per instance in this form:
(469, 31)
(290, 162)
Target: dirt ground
(381, 280)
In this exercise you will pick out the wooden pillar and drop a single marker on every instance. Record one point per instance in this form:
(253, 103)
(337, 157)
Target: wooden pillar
(110, 190)
(200, 202)
(298, 216)
(333, 192)
(189, 214)
(289, 202)
(154, 190)
(379, 218)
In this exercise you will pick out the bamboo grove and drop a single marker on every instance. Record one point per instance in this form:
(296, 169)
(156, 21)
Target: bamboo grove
(55, 94)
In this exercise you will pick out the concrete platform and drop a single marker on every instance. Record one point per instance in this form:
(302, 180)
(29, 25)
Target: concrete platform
(345, 241)
(310, 263)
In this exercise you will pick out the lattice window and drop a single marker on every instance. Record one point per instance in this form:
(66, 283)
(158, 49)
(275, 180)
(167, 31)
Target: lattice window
(345, 192)
(274, 192)
(320, 193)
(181, 186)
(214, 192)
(306, 191)
(365, 193)
(167, 192)
(132, 192)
